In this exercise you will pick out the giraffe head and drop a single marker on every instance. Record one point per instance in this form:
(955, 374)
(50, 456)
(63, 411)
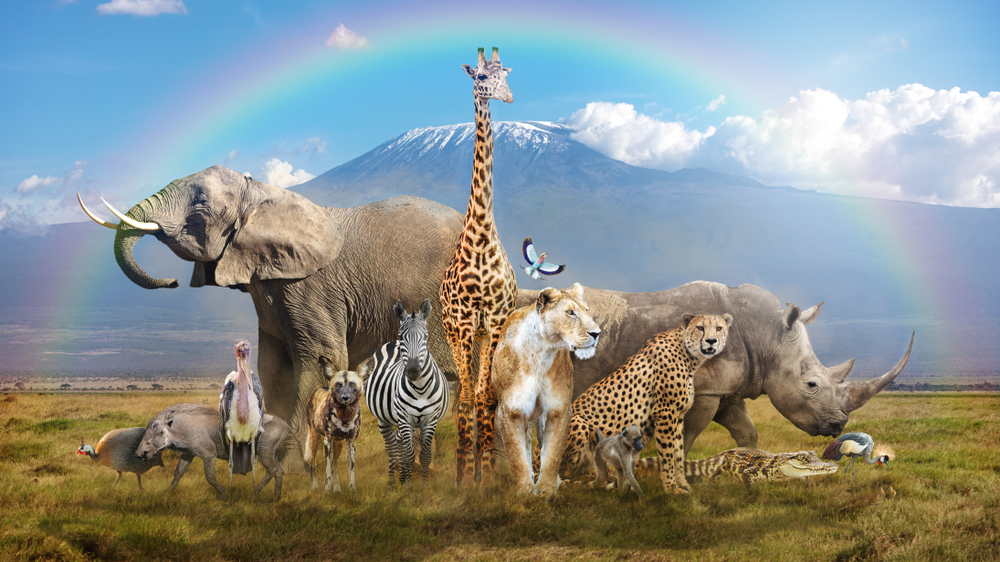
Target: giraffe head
(490, 78)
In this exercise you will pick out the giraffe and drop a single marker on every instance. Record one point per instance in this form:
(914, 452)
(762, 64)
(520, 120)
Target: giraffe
(479, 287)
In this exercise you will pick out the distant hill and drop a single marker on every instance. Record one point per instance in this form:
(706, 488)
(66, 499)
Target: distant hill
(883, 268)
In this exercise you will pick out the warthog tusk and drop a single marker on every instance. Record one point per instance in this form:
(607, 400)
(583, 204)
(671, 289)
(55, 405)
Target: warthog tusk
(147, 226)
(101, 222)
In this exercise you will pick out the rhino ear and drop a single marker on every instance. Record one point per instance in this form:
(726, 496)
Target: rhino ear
(790, 315)
(285, 236)
(810, 314)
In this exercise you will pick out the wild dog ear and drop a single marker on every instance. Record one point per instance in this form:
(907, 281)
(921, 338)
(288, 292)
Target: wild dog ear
(686, 319)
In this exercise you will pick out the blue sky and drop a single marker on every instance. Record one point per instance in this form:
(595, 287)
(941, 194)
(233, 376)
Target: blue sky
(118, 98)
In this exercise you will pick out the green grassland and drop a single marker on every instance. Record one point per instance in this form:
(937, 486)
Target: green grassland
(55, 505)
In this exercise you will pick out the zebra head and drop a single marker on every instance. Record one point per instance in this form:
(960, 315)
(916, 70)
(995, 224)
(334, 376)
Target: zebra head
(413, 336)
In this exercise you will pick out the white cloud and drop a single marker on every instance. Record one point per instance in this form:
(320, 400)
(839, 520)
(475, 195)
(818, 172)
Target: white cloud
(142, 7)
(619, 131)
(912, 143)
(343, 38)
(35, 183)
(280, 174)
(233, 155)
(717, 103)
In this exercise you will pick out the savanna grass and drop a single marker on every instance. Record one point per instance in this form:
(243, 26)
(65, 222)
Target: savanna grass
(55, 505)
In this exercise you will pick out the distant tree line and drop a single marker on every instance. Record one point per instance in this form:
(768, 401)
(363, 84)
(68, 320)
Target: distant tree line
(923, 386)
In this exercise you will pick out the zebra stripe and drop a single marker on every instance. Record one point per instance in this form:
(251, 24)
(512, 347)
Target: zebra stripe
(407, 391)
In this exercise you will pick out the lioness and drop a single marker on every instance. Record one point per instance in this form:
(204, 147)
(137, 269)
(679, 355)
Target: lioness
(533, 381)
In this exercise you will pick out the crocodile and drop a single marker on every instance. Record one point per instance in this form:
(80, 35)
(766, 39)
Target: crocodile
(749, 465)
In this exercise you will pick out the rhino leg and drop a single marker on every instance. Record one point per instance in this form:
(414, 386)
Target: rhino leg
(698, 418)
(734, 417)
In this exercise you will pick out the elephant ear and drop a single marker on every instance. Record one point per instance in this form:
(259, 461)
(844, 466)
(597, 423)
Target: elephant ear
(284, 237)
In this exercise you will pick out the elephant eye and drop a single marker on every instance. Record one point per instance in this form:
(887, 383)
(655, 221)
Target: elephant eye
(811, 384)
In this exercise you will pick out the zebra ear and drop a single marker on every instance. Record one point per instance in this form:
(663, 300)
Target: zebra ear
(399, 310)
(426, 309)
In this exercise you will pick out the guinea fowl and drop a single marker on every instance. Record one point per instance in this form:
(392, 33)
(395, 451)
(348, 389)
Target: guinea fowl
(116, 450)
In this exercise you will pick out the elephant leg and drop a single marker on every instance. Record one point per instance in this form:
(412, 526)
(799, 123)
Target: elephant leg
(274, 368)
(486, 409)
(461, 346)
(698, 418)
(734, 417)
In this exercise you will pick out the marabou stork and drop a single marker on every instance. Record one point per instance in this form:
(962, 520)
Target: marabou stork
(855, 445)
(241, 411)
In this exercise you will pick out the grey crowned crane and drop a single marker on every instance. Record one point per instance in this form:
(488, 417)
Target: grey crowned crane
(241, 412)
(856, 445)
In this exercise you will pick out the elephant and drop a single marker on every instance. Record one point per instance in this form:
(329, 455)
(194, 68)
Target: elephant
(322, 279)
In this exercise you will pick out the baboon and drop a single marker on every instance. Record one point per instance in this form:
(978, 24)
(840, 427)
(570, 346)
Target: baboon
(621, 452)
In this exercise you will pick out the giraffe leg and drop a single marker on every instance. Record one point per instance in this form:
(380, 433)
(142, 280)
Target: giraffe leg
(464, 411)
(486, 409)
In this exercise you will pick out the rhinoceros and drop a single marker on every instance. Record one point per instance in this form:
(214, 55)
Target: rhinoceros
(768, 352)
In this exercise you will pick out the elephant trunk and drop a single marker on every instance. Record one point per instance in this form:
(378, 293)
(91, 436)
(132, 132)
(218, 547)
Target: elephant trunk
(858, 393)
(125, 240)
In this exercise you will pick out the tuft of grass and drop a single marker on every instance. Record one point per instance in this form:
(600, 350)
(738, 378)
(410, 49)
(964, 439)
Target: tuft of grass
(55, 505)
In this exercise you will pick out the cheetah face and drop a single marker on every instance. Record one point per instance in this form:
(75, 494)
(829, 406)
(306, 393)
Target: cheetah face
(706, 335)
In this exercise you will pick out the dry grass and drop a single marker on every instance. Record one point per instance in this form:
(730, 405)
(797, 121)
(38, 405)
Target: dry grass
(55, 505)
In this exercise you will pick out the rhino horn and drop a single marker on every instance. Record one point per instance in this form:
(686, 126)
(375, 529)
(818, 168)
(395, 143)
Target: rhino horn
(858, 393)
(839, 373)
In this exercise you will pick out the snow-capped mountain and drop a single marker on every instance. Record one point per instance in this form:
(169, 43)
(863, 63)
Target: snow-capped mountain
(883, 268)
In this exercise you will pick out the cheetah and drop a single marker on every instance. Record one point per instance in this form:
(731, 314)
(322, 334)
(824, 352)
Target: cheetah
(653, 389)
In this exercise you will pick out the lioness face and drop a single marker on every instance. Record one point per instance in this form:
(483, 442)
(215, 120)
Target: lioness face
(566, 318)
(706, 335)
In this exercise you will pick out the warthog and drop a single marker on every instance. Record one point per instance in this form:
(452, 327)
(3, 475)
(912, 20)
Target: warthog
(193, 431)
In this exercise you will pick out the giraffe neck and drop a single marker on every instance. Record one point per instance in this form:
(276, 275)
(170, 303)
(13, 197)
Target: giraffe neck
(480, 209)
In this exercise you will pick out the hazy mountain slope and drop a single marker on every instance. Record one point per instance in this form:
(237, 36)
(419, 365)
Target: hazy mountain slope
(883, 268)
(876, 264)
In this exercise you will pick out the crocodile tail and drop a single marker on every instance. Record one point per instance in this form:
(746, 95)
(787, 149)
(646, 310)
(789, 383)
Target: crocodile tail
(704, 467)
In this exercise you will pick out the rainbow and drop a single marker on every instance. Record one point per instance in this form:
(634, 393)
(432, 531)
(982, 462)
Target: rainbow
(196, 126)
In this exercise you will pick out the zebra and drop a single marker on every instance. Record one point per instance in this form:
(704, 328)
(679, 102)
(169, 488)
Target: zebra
(405, 391)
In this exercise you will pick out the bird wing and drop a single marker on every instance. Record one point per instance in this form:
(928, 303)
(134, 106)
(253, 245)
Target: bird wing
(832, 451)
(258, 391)
(551, 268)
(849, 447)
(225, 403)
(529, 251)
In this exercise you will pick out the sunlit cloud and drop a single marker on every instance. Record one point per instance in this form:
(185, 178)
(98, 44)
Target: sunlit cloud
(280, 174)
(145, 8)
(343, 38)
(913, 143)
(716, 103)
(35, 183)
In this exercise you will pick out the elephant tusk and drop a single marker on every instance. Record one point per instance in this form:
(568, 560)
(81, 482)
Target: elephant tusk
(147, 226)
(99, 221)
